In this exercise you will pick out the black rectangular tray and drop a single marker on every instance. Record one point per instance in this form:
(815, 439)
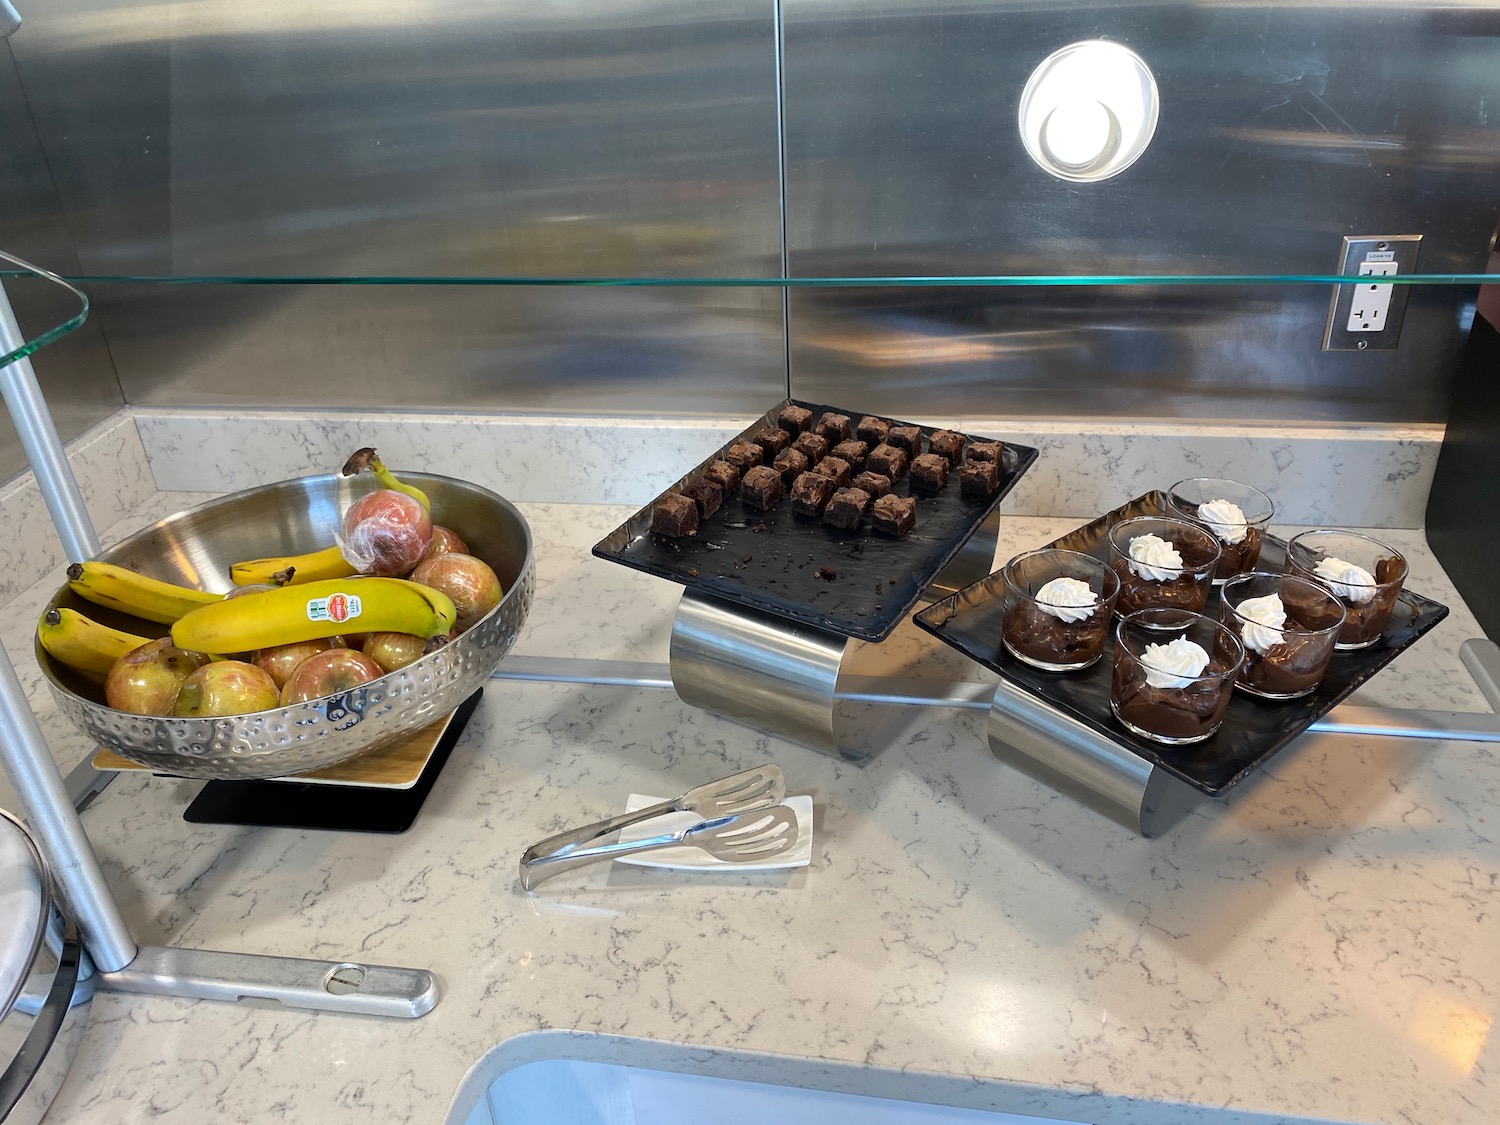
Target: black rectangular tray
(1254, 729)
(769, 561)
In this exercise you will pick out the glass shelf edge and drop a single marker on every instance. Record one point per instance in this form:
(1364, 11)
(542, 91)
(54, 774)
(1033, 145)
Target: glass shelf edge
(55, 333)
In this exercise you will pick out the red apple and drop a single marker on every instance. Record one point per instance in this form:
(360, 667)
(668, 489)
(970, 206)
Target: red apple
(329, 673)
(473, 586)
(394, 650)
(385, 533)
(445, 541)
(280, 662)
(145, 681)
(225, 687)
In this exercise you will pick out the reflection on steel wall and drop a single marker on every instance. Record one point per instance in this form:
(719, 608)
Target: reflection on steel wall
(75, 374)
(440, 138)
(1283, 128)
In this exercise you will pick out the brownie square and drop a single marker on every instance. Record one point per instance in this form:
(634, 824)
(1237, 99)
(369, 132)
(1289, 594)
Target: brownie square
(979, 478)
(723, 474)
(706, 494)
(772, 441)
(835, 467)
(893, 515)
(810, 492)
(872, 430)
(812, 446)
(834, 427)
(791, 464)
(929, 471)
(888, 461)
(744, 455)
(908, 438)
(947, 445)
(794, 419)
(985, 451)
(762, 488)
(675, 516)
(854, 452)
(846, 508)
(873, 483)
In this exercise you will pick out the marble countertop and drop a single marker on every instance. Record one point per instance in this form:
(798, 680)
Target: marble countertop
(1321, 945)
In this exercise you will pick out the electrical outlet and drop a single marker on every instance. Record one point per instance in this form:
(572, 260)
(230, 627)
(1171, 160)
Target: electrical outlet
(1367, 316)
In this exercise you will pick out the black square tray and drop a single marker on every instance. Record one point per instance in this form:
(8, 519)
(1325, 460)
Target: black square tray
(769, 561)
(1254, 729)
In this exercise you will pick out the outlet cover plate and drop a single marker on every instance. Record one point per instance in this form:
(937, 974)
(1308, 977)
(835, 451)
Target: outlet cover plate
(1380, 329)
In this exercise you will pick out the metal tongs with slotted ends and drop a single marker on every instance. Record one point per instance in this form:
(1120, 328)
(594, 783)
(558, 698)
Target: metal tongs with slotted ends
(729, 831)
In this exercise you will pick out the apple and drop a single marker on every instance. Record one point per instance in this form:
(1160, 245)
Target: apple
(445, 541)
(280, 662)
(225, 687)
(329, 673)
(473, 586)
(385, 533)
(146, 680)
(394, 650)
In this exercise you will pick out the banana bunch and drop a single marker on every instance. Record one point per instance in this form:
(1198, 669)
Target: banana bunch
(148, 598)
(71, 638)
(292, 570)
(313, 610)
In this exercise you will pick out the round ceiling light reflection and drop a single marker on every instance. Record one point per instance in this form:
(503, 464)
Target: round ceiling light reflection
(1088, 111)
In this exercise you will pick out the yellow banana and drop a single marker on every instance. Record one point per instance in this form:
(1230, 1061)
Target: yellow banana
(318, 609)
(113, 586)
(71, 638)
(314, 566)
(366, 459)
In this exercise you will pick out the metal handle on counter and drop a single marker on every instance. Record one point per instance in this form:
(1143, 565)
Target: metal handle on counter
(540, 862)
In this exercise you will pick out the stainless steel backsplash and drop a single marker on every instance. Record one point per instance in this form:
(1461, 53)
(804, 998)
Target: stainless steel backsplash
(485, 137)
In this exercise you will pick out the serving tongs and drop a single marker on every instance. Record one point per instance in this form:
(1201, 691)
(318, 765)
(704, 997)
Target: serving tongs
(730, 830)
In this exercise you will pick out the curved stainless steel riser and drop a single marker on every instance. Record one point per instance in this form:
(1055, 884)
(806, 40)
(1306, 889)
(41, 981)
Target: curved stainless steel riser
(783, 679)
(1063, 753)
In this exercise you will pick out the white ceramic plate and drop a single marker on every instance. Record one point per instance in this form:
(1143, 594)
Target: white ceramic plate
(696, 859)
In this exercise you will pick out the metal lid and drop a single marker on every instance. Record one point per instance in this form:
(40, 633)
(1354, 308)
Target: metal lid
(24, 905)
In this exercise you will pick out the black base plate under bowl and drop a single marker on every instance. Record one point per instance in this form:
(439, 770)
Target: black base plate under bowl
(1254, 729)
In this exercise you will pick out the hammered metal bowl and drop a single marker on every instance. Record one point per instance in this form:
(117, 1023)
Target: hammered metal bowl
(196, 548)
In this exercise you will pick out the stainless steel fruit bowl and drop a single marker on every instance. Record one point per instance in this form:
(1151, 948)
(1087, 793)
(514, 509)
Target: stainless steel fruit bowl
(196, 548)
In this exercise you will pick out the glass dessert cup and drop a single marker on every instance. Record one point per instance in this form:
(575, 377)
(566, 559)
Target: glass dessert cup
(1166, 700)
(1286, 660)
(1056, 636)
(1239, 545)
(1368, 597)
(1162, 586)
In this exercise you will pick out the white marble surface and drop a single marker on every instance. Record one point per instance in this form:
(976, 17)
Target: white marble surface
(1353, 476)
(1319, 946)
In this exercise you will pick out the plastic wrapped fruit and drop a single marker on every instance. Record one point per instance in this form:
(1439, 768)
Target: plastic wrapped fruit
(385, 533)
(473, 586)
(445, 541)
(146, 681)
(329, 673)
(225, 687)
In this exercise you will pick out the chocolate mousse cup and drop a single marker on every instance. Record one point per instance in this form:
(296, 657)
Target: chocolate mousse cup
(1367, 606)
(1177, 710)
(1056, 638)
(1239, 548)
(1163, 587)
(1287, 661)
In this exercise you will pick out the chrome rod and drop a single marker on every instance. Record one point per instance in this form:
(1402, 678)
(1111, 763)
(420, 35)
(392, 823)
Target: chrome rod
(1482, 658)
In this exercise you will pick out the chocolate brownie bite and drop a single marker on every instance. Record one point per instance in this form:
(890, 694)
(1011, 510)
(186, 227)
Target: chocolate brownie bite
(812, 446)
(893, 515)
(674, 516)
(888, 461)
(794, 419)
(986, 451)
(872, 430)
(835, 467)
(948, 445)
(706, 494)
(771, 441)
(846, 508)
(744, 455)
(723, 474)
(873, 483)
(834, 427)
(929, 471)
(979, 478)
(854, 452)
(908, 438)
(762, 488)
(791, 464)
(810, 493)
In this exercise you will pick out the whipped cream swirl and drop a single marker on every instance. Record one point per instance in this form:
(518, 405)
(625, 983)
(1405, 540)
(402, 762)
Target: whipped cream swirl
(1264, 618)
(1225, 519)
(1067, 599)
(1350, 582)
(1154, 559)
(1175, 665)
